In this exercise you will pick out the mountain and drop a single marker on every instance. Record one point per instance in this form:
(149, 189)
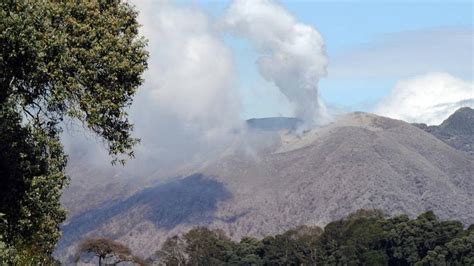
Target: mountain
(459, 123)
(457, 130)
(312, 177)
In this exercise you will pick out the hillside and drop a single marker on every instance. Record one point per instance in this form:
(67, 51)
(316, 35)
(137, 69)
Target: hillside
(359, 161)
(457, 131)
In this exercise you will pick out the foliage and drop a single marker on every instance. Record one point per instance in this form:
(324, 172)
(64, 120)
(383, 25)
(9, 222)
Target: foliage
(109, 252)
(246, 252)
(173, 252)
(356, 240)
(199, 246)
(81, 60)
(365, 237)
(294, 247)
(207, 247)
(32, 170)
(410, 241)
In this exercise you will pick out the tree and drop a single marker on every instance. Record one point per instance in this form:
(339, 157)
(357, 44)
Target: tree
(108, 252)
(409, 241)
(457, 251)
(173, 252)
(207, 247)
(199, 246)
(364, 237)
(246, 252)
(294, 247)
(32, 171)
(79, 60)
(355, 240)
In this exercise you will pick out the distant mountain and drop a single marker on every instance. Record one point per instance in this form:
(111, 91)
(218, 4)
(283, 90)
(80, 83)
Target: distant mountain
(359, 161)
(274, 123)
(457, 131)
(459, 123)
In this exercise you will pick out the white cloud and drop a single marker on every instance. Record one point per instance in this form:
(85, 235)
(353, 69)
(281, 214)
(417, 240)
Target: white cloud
(189, 103)
(191, 72)
(188, 106)
(429, 98)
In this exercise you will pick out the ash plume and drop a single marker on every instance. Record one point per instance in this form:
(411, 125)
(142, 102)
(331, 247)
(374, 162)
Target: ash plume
(188, 109)
(188, 106)
(292, 54)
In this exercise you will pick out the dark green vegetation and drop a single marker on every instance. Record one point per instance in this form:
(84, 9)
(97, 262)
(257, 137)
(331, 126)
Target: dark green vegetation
(365, 237)
(79, 60)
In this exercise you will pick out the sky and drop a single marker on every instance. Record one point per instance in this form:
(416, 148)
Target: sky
(215, 63)
(358, 36)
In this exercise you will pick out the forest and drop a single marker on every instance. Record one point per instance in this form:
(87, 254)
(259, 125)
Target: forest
(365, 237)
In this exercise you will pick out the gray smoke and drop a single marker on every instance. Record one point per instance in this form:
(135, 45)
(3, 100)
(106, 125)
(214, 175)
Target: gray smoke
(188, 106)
(188, 110)
(292, 54)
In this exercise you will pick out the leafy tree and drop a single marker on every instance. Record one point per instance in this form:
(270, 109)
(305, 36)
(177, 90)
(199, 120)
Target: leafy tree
(246, 252)
(207, 247)
(294, 247)
(307, 238)
(108, 252)
(199, 246)
(356, 240)
(81, 60)
(458, 251)
(409, 241)
(32, 171)
(173, 252)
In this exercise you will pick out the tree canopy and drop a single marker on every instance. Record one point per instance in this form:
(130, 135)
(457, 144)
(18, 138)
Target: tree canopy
(78, 60)
(365, 237)
(108, 251)
(81, 59)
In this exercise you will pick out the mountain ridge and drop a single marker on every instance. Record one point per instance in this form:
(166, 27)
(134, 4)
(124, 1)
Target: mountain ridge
(312, 177)
(457, 130)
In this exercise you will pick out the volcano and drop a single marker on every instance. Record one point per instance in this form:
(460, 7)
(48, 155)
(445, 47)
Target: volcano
(311, 177)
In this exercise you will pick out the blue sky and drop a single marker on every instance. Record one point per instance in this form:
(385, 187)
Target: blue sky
(409, 30)
(349, 24)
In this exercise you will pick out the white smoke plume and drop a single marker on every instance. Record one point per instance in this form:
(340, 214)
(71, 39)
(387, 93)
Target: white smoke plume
(428, 99)
(188, 110)
(293, 54)
(188, 106)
